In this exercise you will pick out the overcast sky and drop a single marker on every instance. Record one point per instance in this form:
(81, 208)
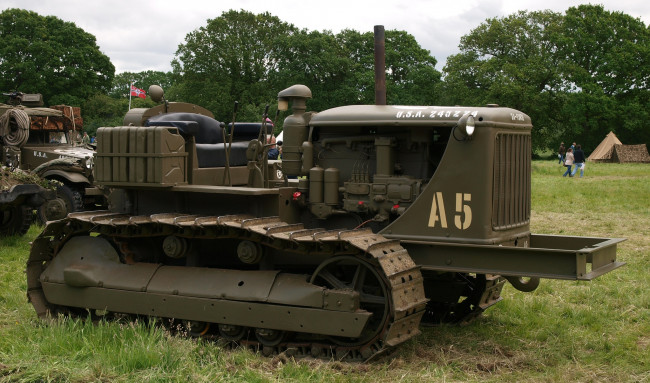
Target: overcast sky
(140, 35)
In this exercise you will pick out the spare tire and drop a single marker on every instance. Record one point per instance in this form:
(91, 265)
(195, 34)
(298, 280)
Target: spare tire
(15, 220)
(68, 200)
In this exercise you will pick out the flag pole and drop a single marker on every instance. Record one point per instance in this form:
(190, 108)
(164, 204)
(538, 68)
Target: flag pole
(130, 89)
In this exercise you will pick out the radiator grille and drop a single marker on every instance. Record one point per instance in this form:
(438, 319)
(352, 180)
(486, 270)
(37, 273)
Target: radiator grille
(511, 203)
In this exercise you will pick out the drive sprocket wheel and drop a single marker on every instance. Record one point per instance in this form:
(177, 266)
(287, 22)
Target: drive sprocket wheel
(352, 273)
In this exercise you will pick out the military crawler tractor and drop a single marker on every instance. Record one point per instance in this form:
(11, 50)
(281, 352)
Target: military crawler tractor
(385, 217)
(46, 142)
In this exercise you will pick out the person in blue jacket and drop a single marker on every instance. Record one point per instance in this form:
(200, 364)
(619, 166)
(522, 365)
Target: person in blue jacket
(578, 161)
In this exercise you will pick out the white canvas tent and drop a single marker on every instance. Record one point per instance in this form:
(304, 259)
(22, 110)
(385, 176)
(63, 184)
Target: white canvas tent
(604, 150)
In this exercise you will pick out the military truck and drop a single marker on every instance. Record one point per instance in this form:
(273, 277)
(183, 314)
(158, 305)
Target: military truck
(47, 142)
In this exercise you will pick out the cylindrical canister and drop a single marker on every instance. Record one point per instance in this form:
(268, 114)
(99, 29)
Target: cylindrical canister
(307, 156)
(331, 180)
(316, 184)
(295, 133)
(385, 160)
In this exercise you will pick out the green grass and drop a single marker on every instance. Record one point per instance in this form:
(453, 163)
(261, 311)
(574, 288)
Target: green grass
(596, 331)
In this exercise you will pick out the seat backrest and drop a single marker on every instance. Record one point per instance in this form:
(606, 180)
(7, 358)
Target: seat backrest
(246, 131)
(187, 128)
(209, 130)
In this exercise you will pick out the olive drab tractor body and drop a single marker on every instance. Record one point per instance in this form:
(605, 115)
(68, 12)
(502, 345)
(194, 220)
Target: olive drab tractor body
(377, 219)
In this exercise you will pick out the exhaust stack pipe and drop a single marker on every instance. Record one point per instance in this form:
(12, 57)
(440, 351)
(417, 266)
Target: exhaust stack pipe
(380, 66)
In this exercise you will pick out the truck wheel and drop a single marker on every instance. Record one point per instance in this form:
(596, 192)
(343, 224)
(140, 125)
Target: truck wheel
(68, 199)
(15, 221)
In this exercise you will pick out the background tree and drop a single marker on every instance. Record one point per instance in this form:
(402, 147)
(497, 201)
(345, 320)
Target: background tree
(49, 56)
(511, 61)
(339, 69)
(605, 68)
(103, 110)
(109, 109)
(249, 58)
(411, 77)
(317, 60)
(577, 75)
(229, 60)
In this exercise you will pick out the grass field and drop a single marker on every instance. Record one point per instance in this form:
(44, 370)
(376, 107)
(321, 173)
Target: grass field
(565, 331)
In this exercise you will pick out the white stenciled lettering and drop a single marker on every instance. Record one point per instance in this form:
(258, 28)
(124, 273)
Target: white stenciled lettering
(435, 114)
(517, 116)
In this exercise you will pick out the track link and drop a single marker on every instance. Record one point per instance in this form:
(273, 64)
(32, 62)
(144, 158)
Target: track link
(403, 280)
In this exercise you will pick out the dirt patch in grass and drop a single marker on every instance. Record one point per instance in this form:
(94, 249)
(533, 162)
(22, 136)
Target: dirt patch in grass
(643, 343)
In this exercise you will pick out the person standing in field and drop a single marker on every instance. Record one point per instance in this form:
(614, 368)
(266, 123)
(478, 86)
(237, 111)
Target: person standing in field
(579, 161)
(560, 153)
(273, 152)
(568, 162)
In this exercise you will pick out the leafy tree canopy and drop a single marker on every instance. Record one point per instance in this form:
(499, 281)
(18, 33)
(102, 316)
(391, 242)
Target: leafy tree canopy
(578, 75)
(510, 61)
(103, 110)
(605, 65)
(49, 56)
(339, 69)
(229, 60)
(248, 58)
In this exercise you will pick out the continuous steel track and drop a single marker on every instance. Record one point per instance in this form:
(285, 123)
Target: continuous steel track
(401, 278)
